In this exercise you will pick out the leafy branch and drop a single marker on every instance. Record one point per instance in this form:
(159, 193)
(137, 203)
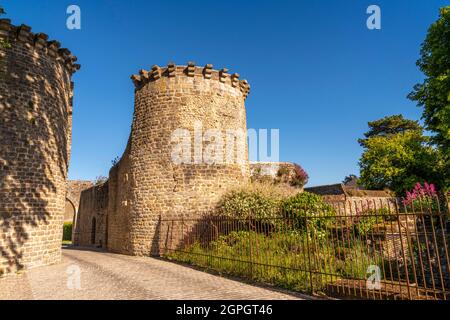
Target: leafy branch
(4, 44)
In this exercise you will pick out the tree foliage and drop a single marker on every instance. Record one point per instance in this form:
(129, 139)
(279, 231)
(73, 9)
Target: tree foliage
(398, 161)
(433, 94)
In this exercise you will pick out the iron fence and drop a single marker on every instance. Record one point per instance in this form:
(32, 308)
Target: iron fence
(364, 249)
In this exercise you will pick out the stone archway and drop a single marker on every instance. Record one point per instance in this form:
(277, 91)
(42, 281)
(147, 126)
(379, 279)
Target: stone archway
(73, 195)
(70, 211)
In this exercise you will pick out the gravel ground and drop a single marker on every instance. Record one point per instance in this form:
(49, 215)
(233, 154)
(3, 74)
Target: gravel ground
(105, 276)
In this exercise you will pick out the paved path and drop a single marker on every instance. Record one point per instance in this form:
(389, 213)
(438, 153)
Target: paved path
(112, 276)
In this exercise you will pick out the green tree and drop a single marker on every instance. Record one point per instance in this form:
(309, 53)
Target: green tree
(433, 95)
(397, 155)
(388, 126)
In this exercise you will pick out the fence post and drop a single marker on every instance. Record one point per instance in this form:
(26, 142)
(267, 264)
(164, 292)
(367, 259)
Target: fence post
(250, 246)
(447, 201)
(402, 248)
(308, 250)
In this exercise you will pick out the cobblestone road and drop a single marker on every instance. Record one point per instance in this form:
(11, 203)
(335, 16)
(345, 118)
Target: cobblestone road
(112, 276)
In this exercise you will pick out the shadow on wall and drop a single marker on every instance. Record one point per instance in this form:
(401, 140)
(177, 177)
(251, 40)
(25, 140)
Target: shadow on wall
(156, 241)
(33, 159)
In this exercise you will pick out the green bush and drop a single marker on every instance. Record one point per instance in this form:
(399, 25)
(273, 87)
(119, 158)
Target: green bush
(309, 211)
(67, 231)
(256, 201)
(354, 259)
(368, 220)
(365, 225)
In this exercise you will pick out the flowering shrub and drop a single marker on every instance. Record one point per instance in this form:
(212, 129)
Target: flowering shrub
(419, 191)
(296, 177)
(300, 177)
(422, 197)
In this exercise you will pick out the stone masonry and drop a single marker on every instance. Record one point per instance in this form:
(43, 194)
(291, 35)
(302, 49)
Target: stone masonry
(73, 195)
(147, 184)
(90, 226)
(35, 135)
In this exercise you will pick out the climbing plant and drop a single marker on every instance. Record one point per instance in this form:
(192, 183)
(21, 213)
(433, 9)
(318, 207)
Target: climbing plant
(4, 44)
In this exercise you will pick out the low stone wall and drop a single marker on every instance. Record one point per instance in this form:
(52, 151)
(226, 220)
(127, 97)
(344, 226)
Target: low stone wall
(357, 205)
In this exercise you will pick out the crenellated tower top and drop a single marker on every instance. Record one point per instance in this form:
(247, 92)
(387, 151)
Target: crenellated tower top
(40, 42)
(193, 71)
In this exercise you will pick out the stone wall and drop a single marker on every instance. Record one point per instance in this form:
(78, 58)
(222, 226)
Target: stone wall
(119, 205)
(91, 220)
(74, 189)
(148, 184)
(35, 130)
(351, 200)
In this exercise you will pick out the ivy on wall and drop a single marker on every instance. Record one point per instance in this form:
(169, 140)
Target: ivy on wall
(4, 44)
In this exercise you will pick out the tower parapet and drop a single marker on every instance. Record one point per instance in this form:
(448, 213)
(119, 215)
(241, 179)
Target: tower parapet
(191, 71)
(38, 41)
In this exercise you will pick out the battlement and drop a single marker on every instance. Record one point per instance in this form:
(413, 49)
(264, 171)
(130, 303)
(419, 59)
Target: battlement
(39, 41)
(190, 70)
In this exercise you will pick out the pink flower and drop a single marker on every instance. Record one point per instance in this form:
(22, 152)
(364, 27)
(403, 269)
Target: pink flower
(425, 192)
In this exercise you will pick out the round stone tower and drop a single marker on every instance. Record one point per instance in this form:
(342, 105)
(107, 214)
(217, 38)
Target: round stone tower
(35, 137)
(188, 145)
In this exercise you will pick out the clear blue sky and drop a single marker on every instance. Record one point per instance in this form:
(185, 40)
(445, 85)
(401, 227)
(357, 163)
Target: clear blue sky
(317, 73)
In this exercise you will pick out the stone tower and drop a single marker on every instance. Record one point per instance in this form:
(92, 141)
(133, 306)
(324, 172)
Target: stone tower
(204, 107)
(35, 137)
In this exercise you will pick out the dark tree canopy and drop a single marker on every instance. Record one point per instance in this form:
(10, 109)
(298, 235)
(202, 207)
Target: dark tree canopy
(351, 180)
(390, 125)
